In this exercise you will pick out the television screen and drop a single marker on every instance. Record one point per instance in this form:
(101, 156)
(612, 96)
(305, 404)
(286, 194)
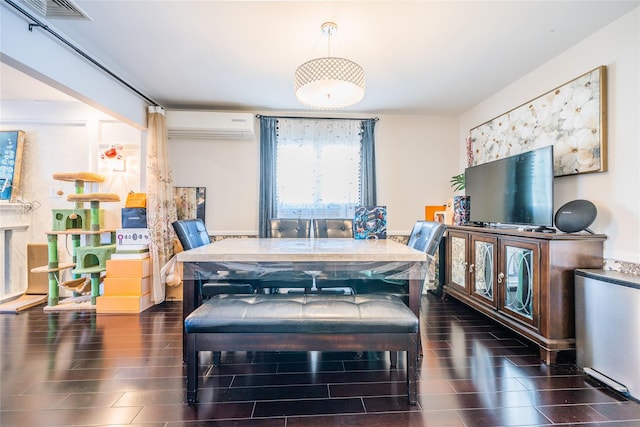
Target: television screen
(515, 190)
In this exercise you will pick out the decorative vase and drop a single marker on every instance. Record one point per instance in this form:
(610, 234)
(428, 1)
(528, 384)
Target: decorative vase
(461, 209)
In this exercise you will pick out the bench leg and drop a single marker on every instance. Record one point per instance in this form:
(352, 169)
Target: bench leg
(192, 368)
(412, 369)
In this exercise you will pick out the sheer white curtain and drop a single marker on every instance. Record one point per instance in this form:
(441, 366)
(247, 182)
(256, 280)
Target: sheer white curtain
(318, 164)
(161, 205)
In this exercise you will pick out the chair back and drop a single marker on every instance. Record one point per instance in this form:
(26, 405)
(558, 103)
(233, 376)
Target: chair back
(333, 227)
(290, 228)
(425, 236)
(191, 232)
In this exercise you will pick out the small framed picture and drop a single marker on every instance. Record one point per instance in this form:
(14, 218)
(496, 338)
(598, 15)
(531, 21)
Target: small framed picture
(191, 202)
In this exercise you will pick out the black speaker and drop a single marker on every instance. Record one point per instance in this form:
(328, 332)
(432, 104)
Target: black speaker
(576, 215)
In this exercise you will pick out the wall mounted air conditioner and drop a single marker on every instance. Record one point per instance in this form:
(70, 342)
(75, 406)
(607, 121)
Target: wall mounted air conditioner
(183, 124)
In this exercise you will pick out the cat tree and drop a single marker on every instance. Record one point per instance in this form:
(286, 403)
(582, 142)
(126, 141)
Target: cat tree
(88, 259)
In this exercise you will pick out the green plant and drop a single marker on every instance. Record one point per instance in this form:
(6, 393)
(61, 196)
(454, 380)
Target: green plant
(458, 182)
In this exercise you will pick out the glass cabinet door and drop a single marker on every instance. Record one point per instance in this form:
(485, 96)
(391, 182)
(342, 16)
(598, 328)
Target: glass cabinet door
(458, 256)
(518, 280)
(482, 269)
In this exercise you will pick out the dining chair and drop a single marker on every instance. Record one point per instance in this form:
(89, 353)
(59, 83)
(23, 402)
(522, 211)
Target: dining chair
(425, 236)
(192, 233)
(290, 228)
(324, 228)
(333, 227)
(281, 281)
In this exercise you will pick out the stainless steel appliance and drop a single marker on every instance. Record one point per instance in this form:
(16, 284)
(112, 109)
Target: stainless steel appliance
(608, 328)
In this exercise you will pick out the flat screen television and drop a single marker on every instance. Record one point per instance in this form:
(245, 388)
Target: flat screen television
(516, 190)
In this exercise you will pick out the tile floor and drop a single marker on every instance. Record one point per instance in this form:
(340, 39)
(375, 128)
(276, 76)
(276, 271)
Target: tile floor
(83, 369)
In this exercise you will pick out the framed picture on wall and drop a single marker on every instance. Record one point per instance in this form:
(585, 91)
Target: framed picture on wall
(191, 202)
(11, 146)
(571, 117)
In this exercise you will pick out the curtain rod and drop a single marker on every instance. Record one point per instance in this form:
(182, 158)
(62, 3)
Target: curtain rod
(258, 116)
(38, 23)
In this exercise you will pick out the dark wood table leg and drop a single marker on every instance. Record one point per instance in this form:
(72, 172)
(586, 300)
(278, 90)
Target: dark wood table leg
(189, 298)
(415, 293)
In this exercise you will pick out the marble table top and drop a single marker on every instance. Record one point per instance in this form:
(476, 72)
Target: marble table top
(302, 250)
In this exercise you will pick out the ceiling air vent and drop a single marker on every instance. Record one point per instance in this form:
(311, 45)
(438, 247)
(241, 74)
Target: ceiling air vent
(57, 9)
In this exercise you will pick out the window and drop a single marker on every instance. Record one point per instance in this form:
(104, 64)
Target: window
(315, 168)
(318, 166)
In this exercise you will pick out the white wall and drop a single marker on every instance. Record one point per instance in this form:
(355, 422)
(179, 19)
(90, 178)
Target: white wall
(415, 155)
(68, 137)
(229, 171)
(616, 193)
(64, 137)
(41, 56)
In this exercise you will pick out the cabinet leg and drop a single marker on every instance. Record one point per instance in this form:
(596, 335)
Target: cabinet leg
(549, 357)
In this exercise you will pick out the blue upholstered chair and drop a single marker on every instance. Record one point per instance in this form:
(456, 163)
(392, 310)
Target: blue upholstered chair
(425, 236)
(192, 233)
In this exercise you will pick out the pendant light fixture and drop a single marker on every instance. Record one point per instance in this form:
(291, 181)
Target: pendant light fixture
(329, 83)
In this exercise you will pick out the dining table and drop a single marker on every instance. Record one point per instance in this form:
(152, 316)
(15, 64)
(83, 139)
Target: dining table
(254, 259)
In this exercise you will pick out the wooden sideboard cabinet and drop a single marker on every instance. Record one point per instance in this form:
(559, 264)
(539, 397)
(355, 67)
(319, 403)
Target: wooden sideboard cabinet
(522, 279)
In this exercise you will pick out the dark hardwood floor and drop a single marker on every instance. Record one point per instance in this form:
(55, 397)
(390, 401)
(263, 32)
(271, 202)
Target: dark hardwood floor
(83, 369)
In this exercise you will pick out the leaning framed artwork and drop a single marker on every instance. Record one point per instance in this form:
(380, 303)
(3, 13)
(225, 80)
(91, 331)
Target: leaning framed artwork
(571, 117)
(11, 147)
(190, 202)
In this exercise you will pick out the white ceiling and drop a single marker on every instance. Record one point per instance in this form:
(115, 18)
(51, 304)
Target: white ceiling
(436, 57)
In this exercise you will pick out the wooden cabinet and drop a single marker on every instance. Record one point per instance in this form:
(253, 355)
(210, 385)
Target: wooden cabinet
(523, 280)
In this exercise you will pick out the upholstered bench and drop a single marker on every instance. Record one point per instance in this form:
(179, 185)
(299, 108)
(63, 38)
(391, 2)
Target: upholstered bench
(303, 322)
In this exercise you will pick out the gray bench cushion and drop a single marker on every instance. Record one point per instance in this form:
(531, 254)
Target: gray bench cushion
(306, 313)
